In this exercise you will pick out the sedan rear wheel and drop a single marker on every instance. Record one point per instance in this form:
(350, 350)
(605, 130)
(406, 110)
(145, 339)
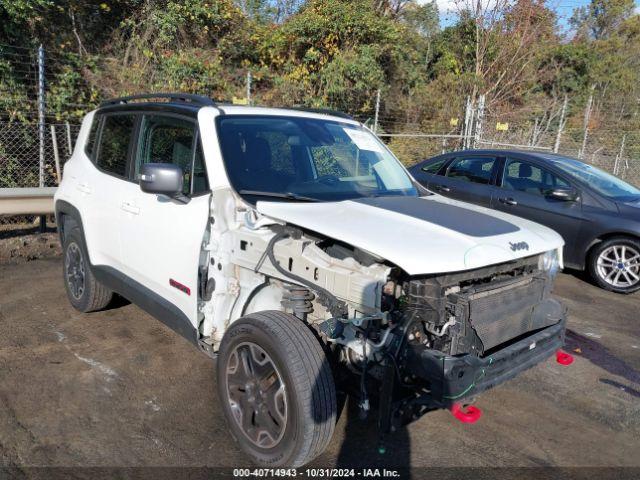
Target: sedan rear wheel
(615, 265)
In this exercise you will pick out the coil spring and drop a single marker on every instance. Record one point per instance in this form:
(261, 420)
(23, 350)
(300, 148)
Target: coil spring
(298, 299)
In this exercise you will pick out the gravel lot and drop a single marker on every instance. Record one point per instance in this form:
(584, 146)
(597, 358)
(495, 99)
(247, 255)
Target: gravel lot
(117, 388)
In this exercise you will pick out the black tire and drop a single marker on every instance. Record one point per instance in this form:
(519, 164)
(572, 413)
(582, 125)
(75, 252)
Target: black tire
(92, 295)
(309, 388)
(629, 270)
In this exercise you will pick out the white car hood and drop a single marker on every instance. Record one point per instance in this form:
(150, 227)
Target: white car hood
(421, 235)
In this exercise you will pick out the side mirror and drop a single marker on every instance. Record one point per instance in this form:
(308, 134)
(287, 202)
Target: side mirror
(163, 179)
(565, 194)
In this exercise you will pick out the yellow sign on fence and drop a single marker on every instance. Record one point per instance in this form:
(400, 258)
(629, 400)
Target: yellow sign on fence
(453, 122)
(240, 101)
(502, 127)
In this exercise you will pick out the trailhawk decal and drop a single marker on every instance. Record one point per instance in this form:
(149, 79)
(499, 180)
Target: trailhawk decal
(179, 286)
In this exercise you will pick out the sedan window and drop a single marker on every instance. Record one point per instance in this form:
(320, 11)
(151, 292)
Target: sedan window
(433, 167)
(472, 169)
(525, 177)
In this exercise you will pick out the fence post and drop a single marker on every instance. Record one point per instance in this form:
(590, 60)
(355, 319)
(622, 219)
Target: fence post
(561, 123)
(41, 107)
(56, 155)
(587, 116)
(619, 156)
(375, 118)
(69, 144)
(468, 122)
(41, 113)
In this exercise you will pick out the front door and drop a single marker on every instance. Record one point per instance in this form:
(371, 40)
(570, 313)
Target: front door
(162, 237)
(523, 192)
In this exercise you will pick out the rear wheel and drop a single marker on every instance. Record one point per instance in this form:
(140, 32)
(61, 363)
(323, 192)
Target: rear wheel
(85, 293)
(615, 264)
(276, 389)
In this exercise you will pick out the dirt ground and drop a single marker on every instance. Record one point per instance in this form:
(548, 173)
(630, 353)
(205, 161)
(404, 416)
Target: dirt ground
(118, 388)
(29, 245)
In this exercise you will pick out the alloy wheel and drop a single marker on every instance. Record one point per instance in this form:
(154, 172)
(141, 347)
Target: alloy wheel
(74, 268)
(619, 266)
(256, 394)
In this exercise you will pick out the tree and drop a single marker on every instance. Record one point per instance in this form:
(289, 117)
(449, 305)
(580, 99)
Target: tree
(423, 18)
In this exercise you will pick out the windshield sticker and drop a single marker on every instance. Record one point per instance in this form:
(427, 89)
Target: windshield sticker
(363, 140)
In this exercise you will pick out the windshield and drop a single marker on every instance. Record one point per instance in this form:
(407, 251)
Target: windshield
(602, 182)
(295, 158)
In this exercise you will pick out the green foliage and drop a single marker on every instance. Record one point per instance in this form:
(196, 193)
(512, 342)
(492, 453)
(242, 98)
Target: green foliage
(330, 53)
(569, 69)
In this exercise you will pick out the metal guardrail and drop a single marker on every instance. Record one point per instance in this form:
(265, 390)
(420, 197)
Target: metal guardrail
(26, 201)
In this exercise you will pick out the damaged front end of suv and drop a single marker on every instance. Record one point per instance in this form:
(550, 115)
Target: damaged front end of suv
(400, 340)
(462, 333)
(332, 271)
(431, 341)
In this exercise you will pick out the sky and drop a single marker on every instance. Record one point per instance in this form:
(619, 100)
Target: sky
(564, 9)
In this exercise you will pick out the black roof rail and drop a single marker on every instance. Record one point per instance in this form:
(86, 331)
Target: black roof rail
(326, 111)
(176, 97)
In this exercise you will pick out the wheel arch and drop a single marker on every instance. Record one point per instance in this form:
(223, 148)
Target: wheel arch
(64, 212)
(607, 236)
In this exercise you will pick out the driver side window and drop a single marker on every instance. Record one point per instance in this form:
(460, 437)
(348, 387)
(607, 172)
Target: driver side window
(525, 177)
(165, 139)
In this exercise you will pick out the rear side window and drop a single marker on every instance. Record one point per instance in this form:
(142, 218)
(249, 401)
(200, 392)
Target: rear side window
(114, 144)
(90, 146)
(433, 168)
(472, 169)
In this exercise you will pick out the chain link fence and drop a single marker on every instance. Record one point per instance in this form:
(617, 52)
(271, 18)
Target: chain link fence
(22, 165)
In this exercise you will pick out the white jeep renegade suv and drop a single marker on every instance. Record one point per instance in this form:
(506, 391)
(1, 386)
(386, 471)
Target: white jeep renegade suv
(292, 246)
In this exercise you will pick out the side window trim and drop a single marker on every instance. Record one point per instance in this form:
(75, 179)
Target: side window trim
(97, 121)
(133, 149)
(498, 168)
(445, 167)
(197, 145)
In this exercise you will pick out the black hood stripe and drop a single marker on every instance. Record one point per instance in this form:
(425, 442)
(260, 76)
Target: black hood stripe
(458, 219)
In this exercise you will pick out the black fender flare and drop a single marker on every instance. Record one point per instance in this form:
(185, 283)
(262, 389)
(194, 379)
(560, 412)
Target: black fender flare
(63, 208)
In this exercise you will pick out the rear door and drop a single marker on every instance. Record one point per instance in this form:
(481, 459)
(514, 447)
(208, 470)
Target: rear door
(101, 188)
(162, 237)
(468, 178)
(521, 190)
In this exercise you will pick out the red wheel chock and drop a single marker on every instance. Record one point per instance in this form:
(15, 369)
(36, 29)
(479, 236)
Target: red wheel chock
(563, 358)
(470, 415)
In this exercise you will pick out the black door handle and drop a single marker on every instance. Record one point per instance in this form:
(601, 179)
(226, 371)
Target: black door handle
(508, 201)
(442, 188)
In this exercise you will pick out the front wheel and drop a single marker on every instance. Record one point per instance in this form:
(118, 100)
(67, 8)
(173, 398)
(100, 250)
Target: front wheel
(277, 389)
(615, 264)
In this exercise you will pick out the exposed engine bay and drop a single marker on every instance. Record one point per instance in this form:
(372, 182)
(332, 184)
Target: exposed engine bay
(420, 342)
